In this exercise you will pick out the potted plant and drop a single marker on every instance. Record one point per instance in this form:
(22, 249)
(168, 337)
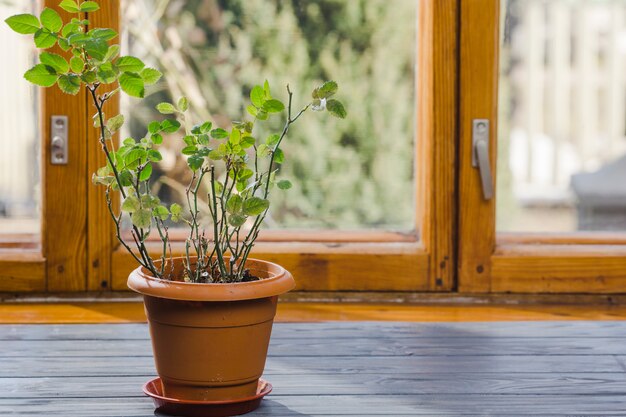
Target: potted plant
(211, 310)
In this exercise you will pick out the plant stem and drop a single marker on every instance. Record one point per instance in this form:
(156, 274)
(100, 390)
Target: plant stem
(220, 257)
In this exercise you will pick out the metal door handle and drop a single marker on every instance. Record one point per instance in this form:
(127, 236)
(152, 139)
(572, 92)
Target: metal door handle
(480, 155)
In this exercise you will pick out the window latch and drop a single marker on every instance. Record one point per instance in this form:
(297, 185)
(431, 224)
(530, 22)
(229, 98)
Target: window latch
(58, 140)
(480, 155)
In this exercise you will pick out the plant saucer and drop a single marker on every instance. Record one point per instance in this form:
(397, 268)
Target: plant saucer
(190, 408)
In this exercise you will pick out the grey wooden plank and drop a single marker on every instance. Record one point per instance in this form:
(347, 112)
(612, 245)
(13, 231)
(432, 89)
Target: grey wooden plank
(335, 405)
(144, 366)
(355, 384)
(319, 347)
(549, 329)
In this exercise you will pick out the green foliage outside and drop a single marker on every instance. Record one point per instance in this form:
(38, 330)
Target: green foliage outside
(237, 201)
(353, 173)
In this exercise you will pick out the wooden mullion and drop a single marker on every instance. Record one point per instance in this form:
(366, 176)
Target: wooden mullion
(437, 141)
(64, 202)
(100, 228)
(479, 42)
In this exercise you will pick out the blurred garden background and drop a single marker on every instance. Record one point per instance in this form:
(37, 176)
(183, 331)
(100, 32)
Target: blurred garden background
(356, 173)
(562, 106)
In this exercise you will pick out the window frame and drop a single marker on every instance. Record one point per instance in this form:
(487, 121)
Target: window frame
(357, 261)
(490, 262)
(54, 260)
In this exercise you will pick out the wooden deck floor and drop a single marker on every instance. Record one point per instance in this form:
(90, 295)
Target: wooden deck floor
(339, 369)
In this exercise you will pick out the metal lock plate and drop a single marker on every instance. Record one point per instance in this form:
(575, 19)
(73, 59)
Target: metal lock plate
(58, 140)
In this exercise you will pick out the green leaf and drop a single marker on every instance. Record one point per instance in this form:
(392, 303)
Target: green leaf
(263, 150)
(64, 44)
(273, 106)
(142, 218)
(234, 204)
(189, 150)
(252, 110)
(255, 206)
(170, 126)
(279, 156)
(284, 184)
(70, 6)
(102, 180)
(235, 136)
(106, 74)
(195, 162)
(257, 96)
(115, 123)
(155, 155)
(244, 174)
(150, 201)
(154, 127)
(129, 64)
(262, 115)
(89, 6)
(219, 133)
(126, 178)
(69, 83)
(183, 104)
(77, 64)
(150, 75)
(132, 84)
(26, 24)
(203, 139)
(266, 90)
(51, 20)
(44, 39)
(176, 209)
(112, 52)
(96, 48)
(103, 33)
(157, 139)
(42, 75)
(78, 39)
(135, 155)
(247, 141)
(206, 127)
(145, 173)
(335, 108)
(272, 140)
(88, 77)
(166, 108)
(70, 29)
(328, 89)
(161, 212)
(130, 204)
(236, 220)
(216, 155)
(55, 61)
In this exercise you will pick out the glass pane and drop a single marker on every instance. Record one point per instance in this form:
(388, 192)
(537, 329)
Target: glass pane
(562, 116)
(351, 174)
(20, 177)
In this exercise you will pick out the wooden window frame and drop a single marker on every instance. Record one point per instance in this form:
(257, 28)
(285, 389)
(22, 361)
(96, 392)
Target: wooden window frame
(351, 261)
(489, 262)
(55, 260)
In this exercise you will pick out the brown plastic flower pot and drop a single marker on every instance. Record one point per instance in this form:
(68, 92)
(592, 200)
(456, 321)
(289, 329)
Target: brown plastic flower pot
(210, 341)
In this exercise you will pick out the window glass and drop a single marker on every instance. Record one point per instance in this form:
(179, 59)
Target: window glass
(20, 176)
(562, 116)
(356, 173)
